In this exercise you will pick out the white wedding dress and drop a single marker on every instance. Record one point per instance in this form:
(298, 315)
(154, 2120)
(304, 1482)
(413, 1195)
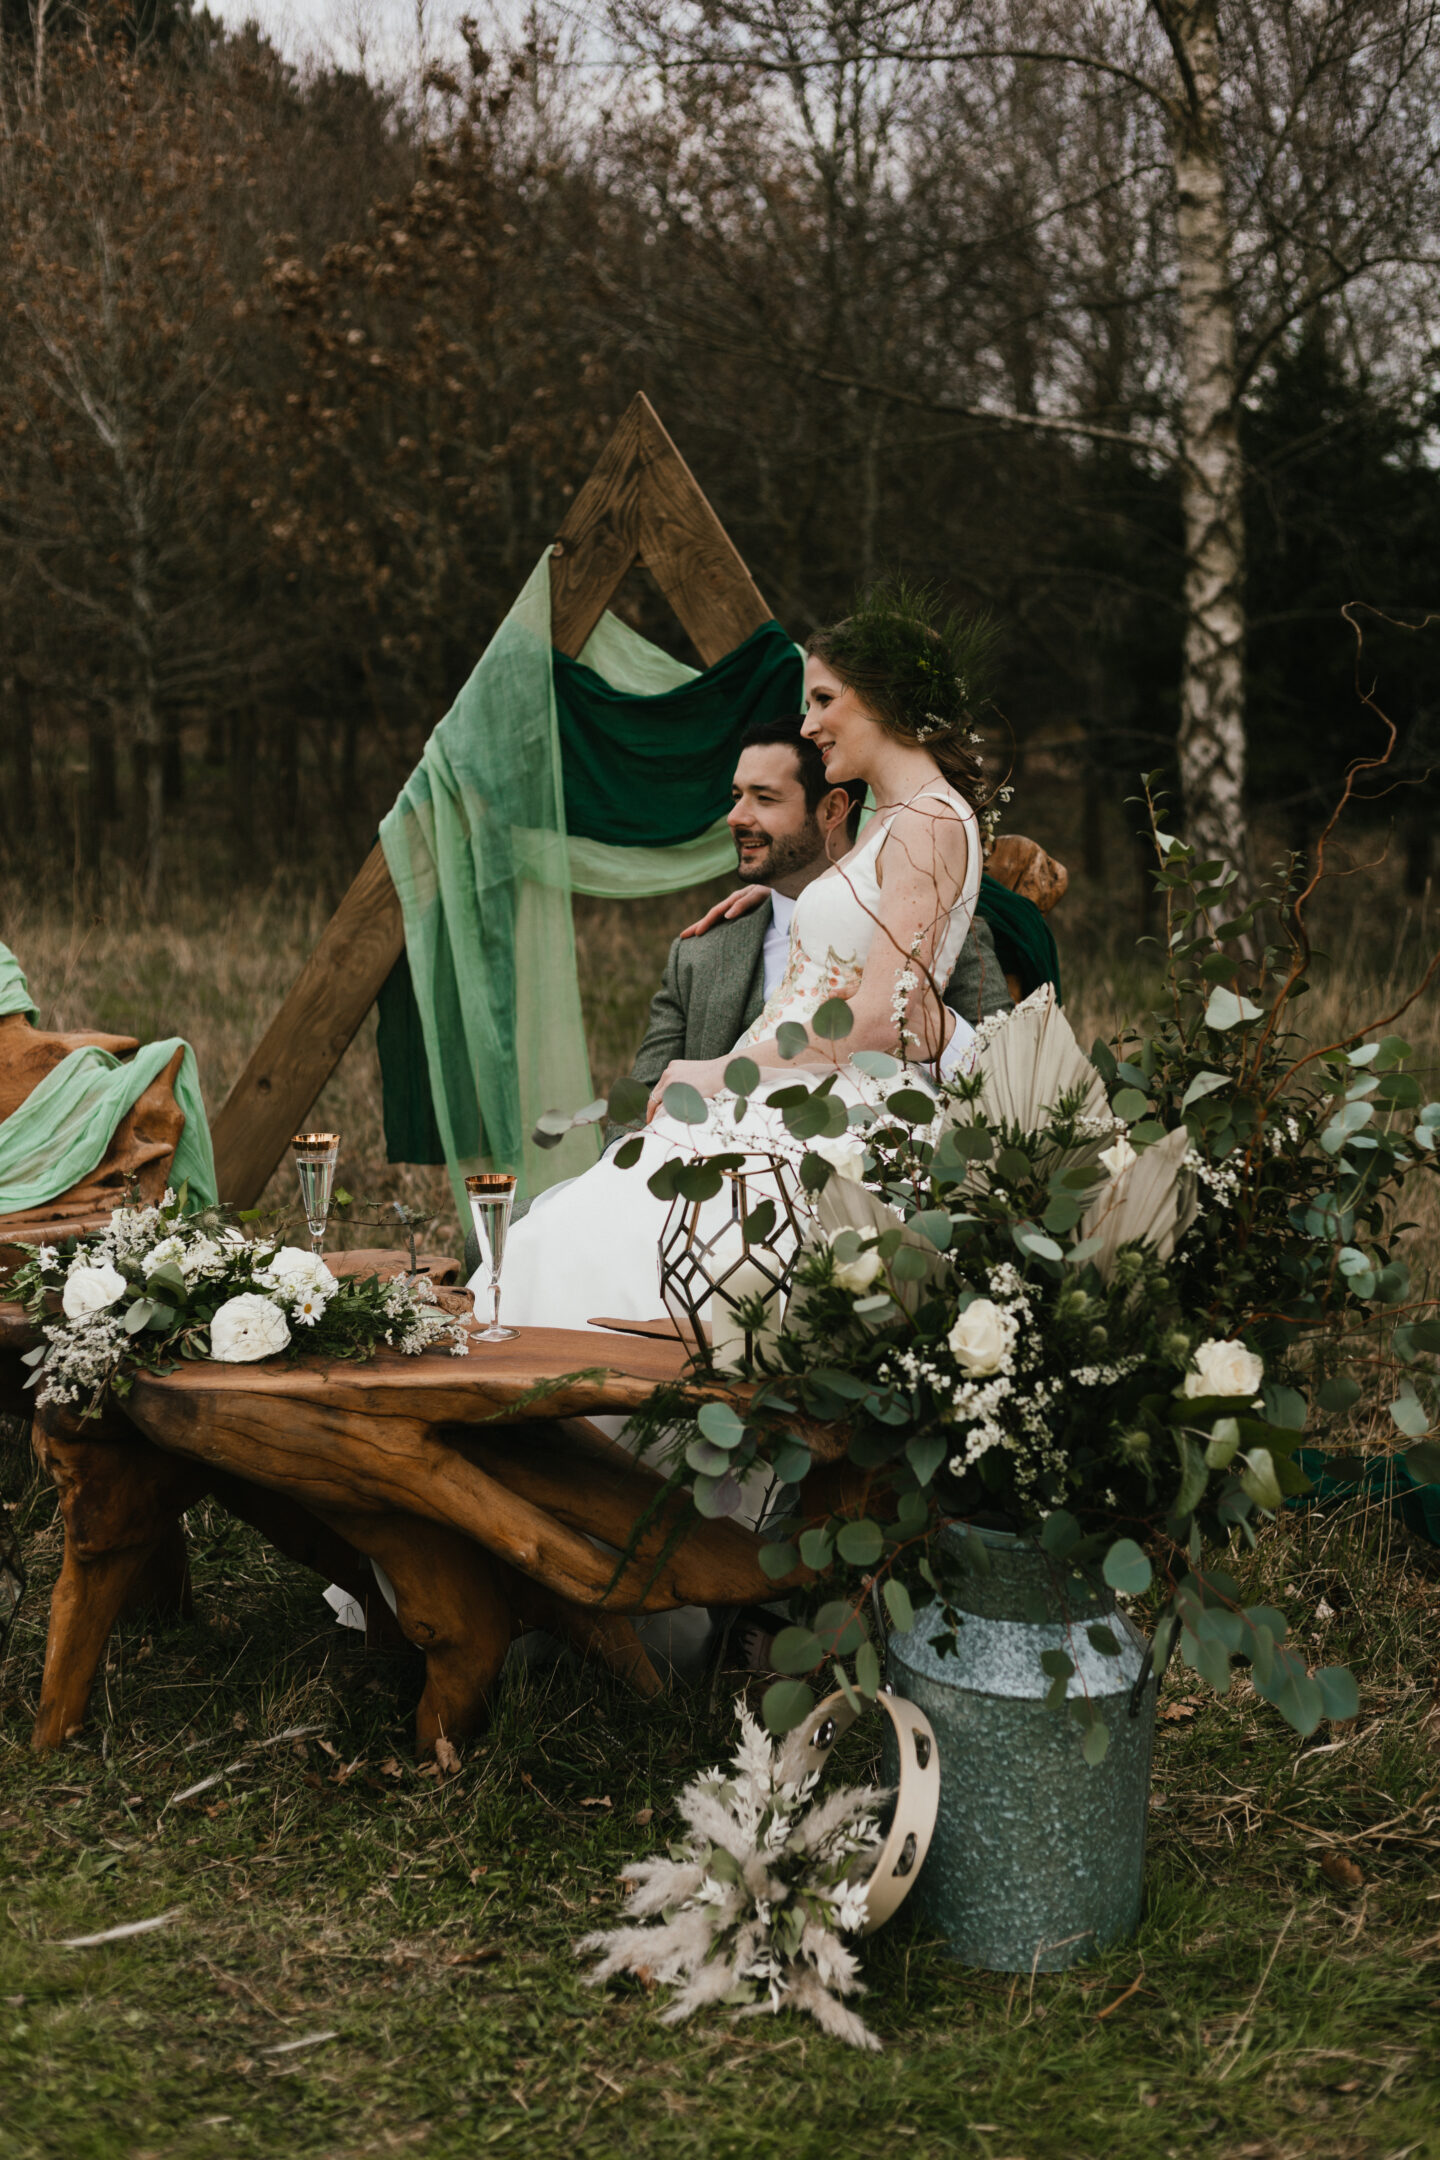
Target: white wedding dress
(590, 1248)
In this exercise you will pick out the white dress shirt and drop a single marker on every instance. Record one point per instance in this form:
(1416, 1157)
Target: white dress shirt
(776, 947)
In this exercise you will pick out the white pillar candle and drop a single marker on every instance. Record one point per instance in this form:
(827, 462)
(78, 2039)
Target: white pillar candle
(745, 1280)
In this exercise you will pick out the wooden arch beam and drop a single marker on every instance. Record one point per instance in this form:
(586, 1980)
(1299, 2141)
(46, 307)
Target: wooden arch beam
(641, 504)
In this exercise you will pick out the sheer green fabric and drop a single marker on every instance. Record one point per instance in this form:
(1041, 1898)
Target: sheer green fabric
(14, 990)
(476, 847)
(484, 867)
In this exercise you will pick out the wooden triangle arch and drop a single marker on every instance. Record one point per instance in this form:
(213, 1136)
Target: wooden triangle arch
(642, 504)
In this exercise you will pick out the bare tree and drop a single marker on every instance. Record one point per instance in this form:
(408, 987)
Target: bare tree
(1300, 165)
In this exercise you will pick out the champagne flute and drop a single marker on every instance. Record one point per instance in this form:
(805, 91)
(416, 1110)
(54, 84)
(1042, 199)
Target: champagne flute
(316, 1154)
(492, 1195)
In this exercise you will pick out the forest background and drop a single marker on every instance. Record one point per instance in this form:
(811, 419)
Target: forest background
(1117, 322)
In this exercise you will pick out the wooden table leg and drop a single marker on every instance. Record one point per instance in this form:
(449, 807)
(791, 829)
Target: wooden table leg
(450, 1604)
(120, 1501)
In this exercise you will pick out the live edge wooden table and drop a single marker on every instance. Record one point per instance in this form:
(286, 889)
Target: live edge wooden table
(482, 1506)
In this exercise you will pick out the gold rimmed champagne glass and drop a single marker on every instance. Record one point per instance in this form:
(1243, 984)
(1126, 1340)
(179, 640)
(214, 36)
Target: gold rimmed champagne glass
(316, 1154)
(492, 1196)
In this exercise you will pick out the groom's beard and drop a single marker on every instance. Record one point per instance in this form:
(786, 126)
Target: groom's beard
(763, 857)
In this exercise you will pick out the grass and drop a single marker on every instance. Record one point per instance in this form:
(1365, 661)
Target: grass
(427, 1923)
(1267, 2009)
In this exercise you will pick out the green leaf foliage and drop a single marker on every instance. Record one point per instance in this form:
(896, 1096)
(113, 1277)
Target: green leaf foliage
(833, 1020)
(786, 1704)
(861, 1543)
(685, 1104)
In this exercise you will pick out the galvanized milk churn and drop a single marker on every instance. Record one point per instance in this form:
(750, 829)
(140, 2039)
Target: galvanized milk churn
(1038, 1857)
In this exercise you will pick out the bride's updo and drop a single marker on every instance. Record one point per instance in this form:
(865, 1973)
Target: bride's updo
(917, 670)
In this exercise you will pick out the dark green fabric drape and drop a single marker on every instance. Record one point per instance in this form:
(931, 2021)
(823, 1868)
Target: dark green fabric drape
(650, 772)
(1023, 939)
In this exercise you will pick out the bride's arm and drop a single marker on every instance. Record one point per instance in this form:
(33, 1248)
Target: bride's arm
(924, 861)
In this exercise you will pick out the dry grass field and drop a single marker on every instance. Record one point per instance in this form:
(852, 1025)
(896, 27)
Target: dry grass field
(366, 1958)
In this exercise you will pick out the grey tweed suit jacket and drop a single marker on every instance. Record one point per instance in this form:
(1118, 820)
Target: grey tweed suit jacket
(714, 987)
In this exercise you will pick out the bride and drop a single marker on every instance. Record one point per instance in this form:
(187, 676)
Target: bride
(888, 696)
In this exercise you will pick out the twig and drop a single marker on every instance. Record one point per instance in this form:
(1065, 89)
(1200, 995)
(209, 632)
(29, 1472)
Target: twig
(1249, 2010)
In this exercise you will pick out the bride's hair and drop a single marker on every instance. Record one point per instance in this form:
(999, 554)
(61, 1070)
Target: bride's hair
(917, 668)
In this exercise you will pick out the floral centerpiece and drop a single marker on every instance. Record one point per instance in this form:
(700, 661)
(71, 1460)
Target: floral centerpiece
(1094, 1300)
(160, 1284)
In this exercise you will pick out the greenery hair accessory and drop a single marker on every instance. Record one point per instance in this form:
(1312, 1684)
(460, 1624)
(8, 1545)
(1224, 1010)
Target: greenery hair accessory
(918, 664)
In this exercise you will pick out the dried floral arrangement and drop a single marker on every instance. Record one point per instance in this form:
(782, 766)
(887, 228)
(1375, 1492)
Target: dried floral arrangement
(752, 1907)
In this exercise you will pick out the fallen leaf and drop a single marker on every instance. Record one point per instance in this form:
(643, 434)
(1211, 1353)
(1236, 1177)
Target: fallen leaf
(391, 1768)
(330, 1748)
(1340, 1873)
(605, 1802)
(447, 1755)
(1176, 1713)
(645, 1814)
(479, 1956)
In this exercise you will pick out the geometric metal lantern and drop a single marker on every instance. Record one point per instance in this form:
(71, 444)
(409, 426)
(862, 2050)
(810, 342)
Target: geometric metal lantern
(738, 1274)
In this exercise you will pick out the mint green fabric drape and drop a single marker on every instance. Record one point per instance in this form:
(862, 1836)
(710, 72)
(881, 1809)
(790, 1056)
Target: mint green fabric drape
(60, 1132)
(485, 866)
(14, 990)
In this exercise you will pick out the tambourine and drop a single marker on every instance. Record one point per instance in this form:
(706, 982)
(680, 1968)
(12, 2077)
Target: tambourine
(917, 1794)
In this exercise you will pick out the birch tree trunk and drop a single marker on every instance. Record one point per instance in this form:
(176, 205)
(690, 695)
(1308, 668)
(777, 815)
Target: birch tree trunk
(1211, 741)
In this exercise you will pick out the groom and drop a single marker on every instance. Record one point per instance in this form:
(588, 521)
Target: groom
(789, 824)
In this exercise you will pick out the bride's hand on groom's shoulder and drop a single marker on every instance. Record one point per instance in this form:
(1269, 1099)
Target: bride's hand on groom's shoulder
(738, 903)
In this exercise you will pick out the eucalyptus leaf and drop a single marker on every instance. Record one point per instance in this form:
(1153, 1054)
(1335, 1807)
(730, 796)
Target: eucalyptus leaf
(860, 1543)
(1125, 1567)
(719, 1423)
(796, 1650)
(785, 1705)
(629, 1099)
(685, 1104)
(833, 1020)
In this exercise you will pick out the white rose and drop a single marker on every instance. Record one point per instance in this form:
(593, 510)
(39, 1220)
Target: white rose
(858, 1272)
(845, 1153)
(981, 1338)
(246, 1328)
(296, 1271)
(1224, 1368)
(202, 1258)
(91, 1290)
(1118, 1159)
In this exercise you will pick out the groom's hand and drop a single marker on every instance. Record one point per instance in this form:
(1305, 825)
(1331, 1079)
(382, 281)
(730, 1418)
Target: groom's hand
(739, 903)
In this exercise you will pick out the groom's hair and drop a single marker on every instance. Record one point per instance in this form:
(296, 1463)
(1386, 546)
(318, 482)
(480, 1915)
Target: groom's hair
(807, 757)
